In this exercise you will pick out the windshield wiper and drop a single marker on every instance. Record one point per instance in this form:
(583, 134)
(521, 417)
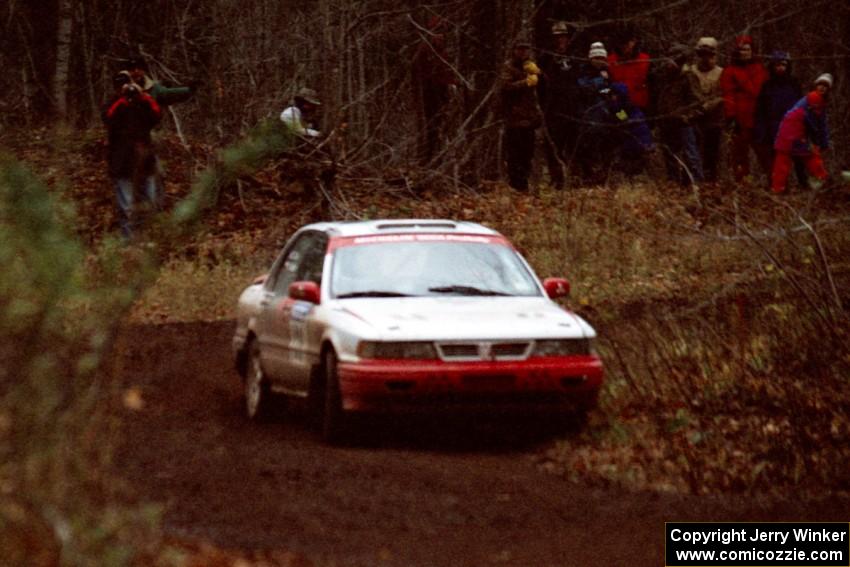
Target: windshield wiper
(465, 290)
(372, 293)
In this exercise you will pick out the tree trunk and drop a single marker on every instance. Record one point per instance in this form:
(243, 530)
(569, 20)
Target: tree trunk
(63, 58)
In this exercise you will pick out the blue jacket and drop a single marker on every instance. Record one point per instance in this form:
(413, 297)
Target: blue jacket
(614, 115)
(637, 137)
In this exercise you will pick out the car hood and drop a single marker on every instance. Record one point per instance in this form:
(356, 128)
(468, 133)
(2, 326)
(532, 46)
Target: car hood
(466, 318)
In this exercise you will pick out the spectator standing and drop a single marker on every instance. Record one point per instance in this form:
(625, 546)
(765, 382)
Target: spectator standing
(803, 133)
(138, 69)
(130, 116)
(436, 82)
(677, 105)
(823, 84)
(301, 113)
(521, 112)
(594, 75)
(741, 83)
(594, 141)
(558, 93)
(778, 94)
(708, 124)
(630, 66)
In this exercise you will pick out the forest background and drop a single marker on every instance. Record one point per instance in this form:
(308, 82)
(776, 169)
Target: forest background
(58, 57)
(723, 323)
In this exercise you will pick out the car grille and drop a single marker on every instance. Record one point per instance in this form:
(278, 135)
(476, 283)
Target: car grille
(484, 350)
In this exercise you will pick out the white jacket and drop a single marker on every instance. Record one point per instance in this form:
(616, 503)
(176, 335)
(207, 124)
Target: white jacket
(293, 118)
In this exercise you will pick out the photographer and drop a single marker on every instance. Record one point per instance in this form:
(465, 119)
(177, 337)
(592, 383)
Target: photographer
(129, 117)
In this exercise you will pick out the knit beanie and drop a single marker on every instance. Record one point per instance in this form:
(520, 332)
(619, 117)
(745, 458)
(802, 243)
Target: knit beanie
(743, 40)
(597, 49)
(825, 78)
(708, 44)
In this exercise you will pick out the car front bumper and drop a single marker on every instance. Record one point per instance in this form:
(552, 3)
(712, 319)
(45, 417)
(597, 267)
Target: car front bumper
(532, 385)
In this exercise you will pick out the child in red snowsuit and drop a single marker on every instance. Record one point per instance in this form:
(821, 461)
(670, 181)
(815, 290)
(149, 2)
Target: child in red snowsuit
(803, 133)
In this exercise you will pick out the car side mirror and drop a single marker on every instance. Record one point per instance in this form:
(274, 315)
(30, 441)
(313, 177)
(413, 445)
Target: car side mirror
(305, 291)
(556, 287)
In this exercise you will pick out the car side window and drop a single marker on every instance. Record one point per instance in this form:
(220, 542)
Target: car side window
(314, 260)
(288, 269)
(304, 261)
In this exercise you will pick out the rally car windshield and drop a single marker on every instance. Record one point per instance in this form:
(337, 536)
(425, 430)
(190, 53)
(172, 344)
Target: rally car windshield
(402, 269)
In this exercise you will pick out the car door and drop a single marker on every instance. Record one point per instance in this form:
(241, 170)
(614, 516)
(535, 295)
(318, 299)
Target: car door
(276, 305)
(304, 330)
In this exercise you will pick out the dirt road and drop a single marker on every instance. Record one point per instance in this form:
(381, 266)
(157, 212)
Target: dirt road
(411, 495)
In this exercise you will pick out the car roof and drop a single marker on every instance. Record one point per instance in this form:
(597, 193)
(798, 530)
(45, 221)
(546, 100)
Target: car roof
(399, 226)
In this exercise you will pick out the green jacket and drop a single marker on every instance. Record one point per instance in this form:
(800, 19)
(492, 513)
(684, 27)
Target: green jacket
(166, 96)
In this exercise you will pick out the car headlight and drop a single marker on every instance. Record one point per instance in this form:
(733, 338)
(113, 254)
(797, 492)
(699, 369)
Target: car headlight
(563, 347)
(396, 350)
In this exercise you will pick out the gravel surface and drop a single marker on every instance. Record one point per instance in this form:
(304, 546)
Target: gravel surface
(411, 494)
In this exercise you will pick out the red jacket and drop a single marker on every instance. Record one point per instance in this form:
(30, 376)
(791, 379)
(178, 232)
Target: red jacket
(804, 126)
(632, 73)
(741, 84)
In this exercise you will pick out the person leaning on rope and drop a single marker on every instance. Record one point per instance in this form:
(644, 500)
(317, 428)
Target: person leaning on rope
(803, 133)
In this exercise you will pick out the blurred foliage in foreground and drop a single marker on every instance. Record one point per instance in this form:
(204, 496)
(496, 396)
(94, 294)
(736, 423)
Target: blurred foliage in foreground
(56, 498)
(60, 307)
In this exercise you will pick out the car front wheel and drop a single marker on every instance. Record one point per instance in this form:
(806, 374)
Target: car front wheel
(333, 416)
(258, 395)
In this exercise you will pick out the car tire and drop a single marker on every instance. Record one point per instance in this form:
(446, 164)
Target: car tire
(333, 416)
(257, 392)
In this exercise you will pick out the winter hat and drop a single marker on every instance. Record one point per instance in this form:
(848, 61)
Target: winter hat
(743, 40)
(779, 56)
(522, 41)
(121, 79)
(707, 44)
(560, 28)
(597, 49)
(308, 95)
(679, 53)
(824, 78)
(815, 100)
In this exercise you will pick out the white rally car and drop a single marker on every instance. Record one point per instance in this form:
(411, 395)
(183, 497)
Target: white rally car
(410, 315)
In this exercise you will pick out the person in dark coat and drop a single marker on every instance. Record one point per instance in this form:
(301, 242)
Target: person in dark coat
(803, 133)
(435, 83)
(678, 104)
(130, 116)
(521, 112)
(778, 94)
(558, 93)
(594, 140)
